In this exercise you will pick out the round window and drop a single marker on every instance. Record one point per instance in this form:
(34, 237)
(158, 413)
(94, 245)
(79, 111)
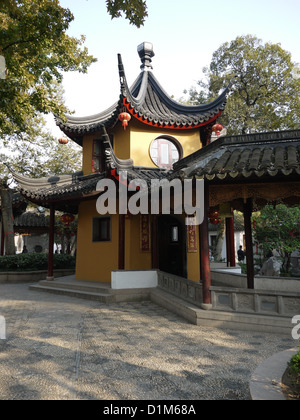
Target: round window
(165, 152)
(38, 249)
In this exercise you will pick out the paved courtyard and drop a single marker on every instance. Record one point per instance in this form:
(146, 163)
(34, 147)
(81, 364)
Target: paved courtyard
(60, 347)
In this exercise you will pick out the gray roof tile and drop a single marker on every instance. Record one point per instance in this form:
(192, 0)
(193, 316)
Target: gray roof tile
(253, 155)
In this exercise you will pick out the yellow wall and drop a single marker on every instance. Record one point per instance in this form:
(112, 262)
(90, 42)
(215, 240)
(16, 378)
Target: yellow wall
(87, 153)
(95, 260)
(135, 141)
(135, 259)
(141, 137)
(122, 142)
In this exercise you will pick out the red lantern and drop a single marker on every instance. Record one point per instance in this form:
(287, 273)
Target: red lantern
(125, 118)
(217, 128)
(63, 141)
(214, 217)
(67, 219)
(213, 214)
(215, 221)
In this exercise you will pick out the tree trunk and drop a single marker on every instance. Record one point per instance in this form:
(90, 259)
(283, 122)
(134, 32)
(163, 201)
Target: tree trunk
(8, 221)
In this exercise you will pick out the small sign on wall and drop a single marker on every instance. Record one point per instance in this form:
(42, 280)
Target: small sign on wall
(191, 238)
(145, 243)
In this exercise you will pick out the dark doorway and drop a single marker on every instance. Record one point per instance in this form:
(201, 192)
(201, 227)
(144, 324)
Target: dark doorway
(172, 245)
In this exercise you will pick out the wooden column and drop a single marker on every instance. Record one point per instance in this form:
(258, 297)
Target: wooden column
(230, 247)
(121, 242)
(51, 243)
(154, 243)
(204, 253)
(249, 243)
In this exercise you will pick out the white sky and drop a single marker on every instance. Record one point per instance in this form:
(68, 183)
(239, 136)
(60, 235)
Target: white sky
(184, 33)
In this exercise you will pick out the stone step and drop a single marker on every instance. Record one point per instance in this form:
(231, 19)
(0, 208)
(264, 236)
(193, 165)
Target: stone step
(90, 295)
(91, 290)
(77, 285)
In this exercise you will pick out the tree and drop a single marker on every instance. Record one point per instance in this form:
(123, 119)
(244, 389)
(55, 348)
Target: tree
(66, 234)
(36, 153)
(278, 228)
(265, 94)
(135, 10)
(37, 51)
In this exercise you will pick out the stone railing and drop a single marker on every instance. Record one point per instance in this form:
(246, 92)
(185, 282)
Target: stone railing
(229, 299)
(279, 284)
(255, 301)
(188, 290)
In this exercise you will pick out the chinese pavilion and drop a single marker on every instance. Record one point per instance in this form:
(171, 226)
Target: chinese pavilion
(163, 139)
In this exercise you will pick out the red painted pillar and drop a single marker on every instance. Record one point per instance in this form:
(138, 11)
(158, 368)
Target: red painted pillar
(249, 243)
(51, 243)
(204, 253)
(230, 247)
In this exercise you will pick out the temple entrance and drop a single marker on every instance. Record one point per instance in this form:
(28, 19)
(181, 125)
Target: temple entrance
(172, 245)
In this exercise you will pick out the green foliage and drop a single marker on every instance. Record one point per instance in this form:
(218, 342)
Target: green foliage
(294, 363)
(37, 154)
(278, 228)
(32, 262)
(135, 10)
(37, 50)
(265, 95)
(65, 234)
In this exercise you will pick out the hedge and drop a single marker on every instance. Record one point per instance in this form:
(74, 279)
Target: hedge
(33, 262)
(295, 364)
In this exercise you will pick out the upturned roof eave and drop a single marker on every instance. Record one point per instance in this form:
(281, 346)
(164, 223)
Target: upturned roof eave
(77, 126)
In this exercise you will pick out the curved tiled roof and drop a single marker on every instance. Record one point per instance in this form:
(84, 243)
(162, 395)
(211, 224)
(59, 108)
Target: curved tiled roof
(147, 101)
(232, 159)
(31, 219)
(44, 190)
(76, 187)
(245, 156)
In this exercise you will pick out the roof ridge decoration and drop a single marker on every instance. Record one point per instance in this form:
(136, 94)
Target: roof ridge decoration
(148, 102)
(145, 51)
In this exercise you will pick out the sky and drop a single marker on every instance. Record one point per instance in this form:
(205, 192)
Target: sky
(184, 35)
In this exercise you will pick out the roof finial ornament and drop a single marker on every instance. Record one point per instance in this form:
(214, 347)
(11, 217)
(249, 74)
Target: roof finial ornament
(146, 53)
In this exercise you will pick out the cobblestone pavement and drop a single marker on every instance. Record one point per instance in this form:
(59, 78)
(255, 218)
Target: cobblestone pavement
(59, 347)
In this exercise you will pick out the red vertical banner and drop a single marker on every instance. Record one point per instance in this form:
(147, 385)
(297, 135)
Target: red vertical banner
(191, 238)
(145, 233)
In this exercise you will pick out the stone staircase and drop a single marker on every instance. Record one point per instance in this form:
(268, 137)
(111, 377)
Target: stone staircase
(101, 292)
